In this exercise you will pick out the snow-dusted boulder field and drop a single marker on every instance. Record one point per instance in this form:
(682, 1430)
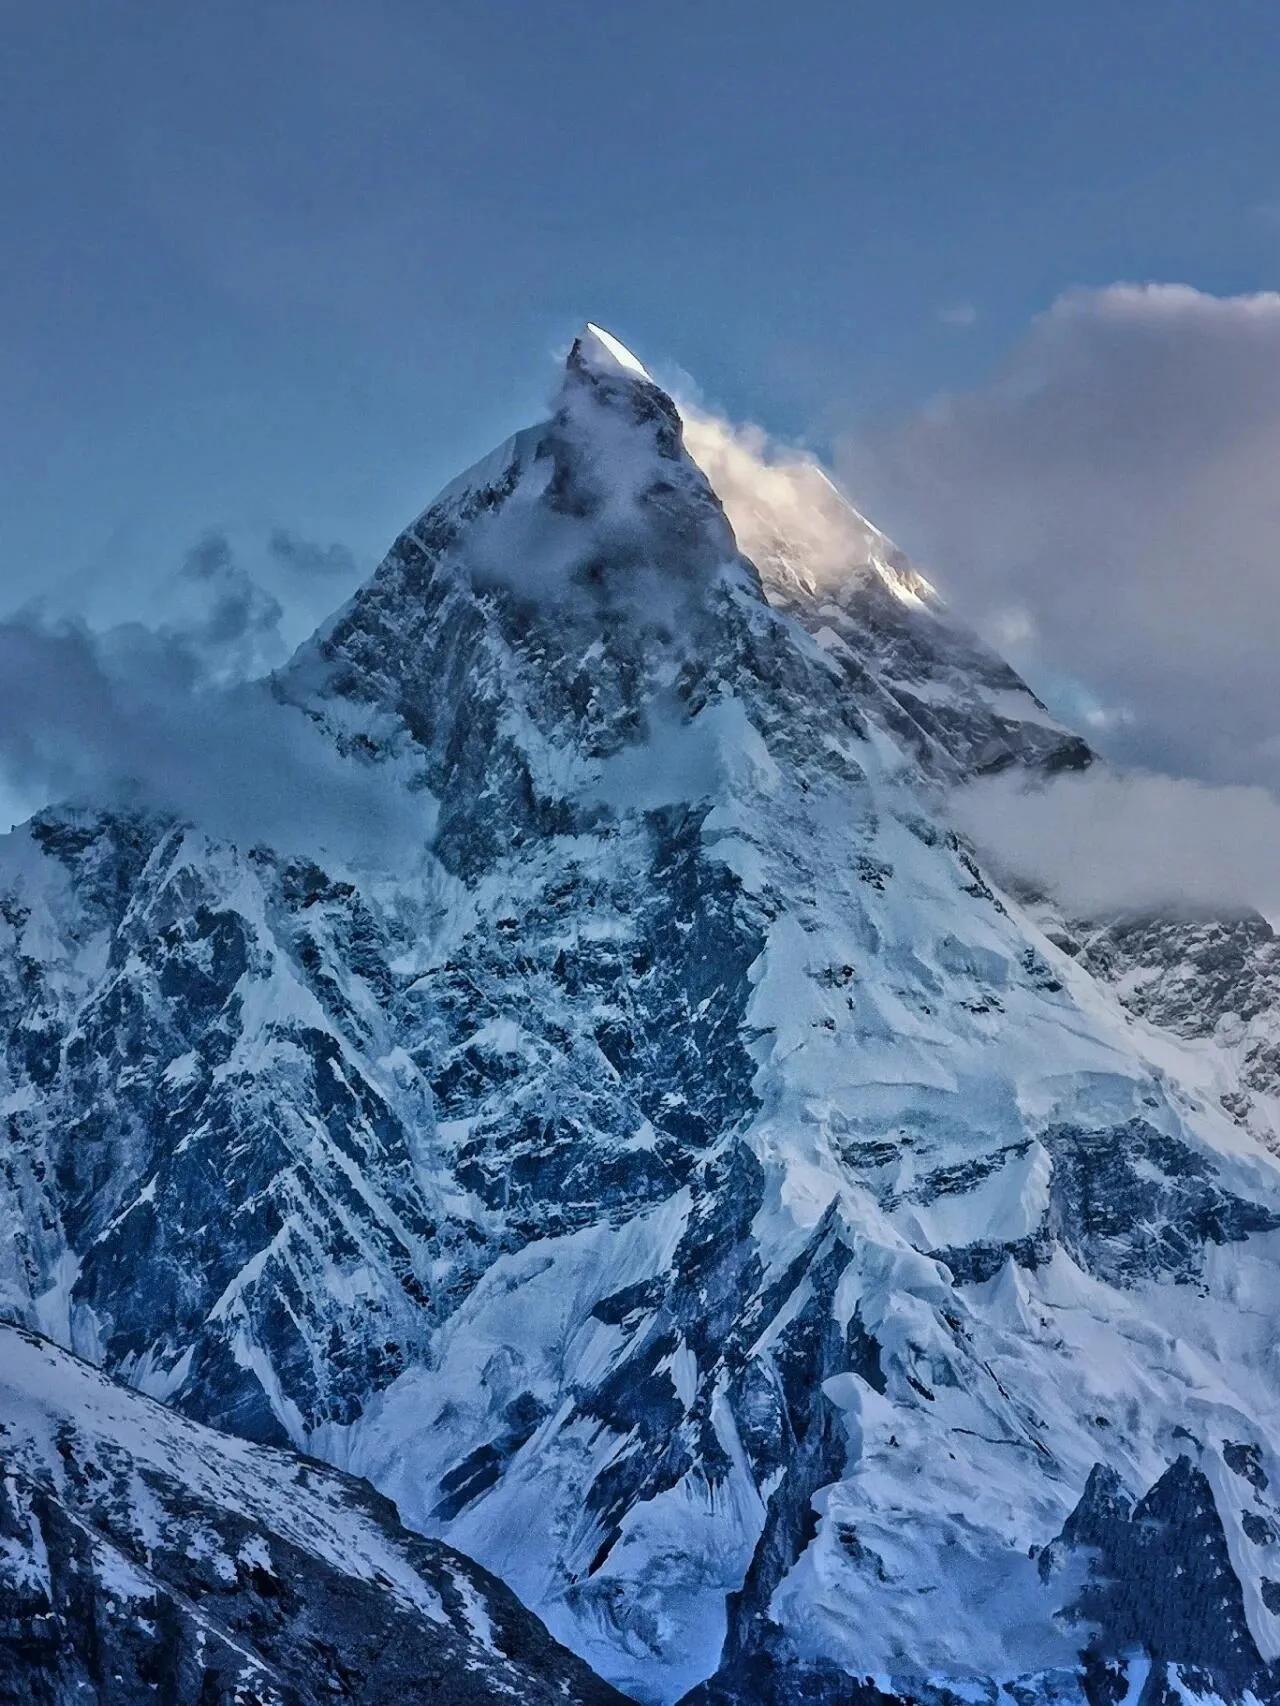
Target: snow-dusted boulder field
(678, 1176)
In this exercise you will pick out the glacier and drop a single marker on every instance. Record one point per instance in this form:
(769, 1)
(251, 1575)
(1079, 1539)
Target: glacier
(684, 1181)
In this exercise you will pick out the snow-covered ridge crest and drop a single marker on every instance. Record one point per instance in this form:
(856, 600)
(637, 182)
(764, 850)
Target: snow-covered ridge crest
(601, 351)
(789, 516)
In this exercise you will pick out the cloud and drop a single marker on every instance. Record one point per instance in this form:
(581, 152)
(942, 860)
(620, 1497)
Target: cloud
(235, 629)
(785, 512)
(1103, 841)
(306, 557)
(171, 718)
(1107, 508)
(960, 314)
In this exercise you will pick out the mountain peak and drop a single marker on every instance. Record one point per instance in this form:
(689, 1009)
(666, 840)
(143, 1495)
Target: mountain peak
(599, 352)
(617, 436)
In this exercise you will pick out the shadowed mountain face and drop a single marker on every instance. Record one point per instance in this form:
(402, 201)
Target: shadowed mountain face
(681, 1181)
(145, 1557)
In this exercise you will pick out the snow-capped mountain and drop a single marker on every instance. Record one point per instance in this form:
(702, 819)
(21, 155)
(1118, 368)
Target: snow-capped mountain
(688, 1186)
(143, 1556)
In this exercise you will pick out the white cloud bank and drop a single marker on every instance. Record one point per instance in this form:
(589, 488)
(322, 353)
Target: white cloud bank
(1103, 842)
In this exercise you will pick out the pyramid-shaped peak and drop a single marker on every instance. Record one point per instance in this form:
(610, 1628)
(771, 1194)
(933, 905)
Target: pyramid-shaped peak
(601, 353)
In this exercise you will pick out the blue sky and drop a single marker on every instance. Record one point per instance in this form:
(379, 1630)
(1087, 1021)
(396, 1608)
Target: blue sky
(278, 264)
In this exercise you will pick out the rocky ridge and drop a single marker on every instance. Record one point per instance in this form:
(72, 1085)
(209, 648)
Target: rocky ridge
(143, 1556)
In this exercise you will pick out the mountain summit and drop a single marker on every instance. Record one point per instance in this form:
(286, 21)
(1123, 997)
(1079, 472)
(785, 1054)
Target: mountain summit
(686, 1184)
(600, 352)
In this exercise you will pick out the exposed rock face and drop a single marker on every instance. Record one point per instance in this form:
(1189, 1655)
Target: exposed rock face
(1160, 1576)
(144, 1557)
(191, 1141)
(688, 1185)
(1214, 983)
